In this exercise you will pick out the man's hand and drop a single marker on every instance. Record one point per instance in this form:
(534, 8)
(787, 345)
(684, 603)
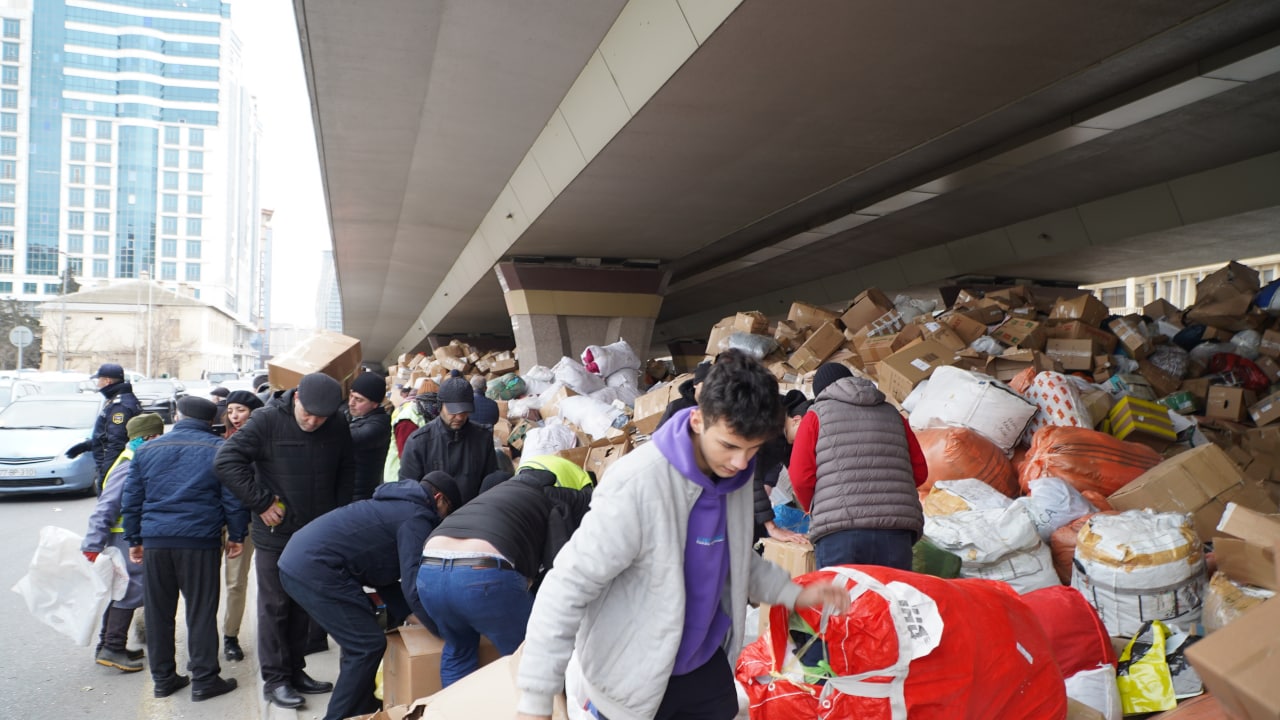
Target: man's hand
(79, 449)
(234, 549)
(135, 554)
(90, 555)
(826, 596)
(784, 535)
(274, 514)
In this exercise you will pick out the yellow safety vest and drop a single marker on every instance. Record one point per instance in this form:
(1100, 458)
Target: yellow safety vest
(568, 475)
(408, 410)
(127, 454)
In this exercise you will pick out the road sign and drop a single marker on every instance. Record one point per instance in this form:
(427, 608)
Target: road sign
(21, 336)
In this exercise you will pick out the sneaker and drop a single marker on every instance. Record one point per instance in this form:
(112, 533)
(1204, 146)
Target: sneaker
(117, 659)
(231, 649)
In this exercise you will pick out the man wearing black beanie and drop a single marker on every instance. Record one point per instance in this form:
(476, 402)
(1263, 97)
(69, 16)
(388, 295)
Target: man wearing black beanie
(370, 431)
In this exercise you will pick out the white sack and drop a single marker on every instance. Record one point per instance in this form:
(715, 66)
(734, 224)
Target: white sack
(608, 359)
(996, 545)
(572, 373)
(548, 440)
(64, 590)
(1052, 503)
(956, 397)
(594, 417)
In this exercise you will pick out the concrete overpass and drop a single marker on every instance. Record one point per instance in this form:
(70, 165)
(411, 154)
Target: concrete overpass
(760, 151)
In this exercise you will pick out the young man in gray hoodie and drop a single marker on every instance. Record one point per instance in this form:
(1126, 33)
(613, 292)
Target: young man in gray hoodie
(652, 590)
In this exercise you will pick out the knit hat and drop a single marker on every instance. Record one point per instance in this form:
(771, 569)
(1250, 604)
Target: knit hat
(370, 385)
(456, 396)
(828, 373)
(319, 394)
(197, 408)
(245, 398)
(220, 392)
(259, 381)
(445, 483)
(144, 425)
(795, 403)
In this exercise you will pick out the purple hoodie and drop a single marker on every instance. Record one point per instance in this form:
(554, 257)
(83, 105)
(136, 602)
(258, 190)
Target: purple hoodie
(706, 550)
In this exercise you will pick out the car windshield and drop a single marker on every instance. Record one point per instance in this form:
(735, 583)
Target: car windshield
(59, 387)
(152, 388)
(5, 394)
(50, 413)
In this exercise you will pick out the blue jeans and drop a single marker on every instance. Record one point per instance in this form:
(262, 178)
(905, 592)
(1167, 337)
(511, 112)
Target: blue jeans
(887, 548)
(467, 602)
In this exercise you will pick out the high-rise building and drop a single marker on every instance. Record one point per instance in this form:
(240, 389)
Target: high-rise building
(128, 145)
(328, 299)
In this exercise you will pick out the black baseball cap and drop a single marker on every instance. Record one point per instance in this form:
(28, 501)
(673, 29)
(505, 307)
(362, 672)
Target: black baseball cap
(457, 396)
(108, 370)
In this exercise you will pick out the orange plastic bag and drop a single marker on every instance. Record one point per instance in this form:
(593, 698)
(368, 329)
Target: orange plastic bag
(956, 453)
(1022, 381)
(1088, 459)
(911, 646)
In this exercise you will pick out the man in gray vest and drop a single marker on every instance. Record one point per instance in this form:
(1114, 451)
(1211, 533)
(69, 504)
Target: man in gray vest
(855, 468)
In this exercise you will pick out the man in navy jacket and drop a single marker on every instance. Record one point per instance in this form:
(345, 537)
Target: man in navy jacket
(375, 543)
(175, 509)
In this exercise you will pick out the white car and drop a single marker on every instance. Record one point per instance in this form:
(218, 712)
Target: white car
(13, 388)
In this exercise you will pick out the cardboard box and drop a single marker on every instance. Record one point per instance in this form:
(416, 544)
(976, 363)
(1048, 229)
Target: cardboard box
(646, 425)
(1025, 334)
(784, 372)
(1249, 554)
(1138, 420)
(1129, 331)
(821, 345)
(869, 305)
(411, 666)
(600, 458)
(789, 335)
(1270, 344)
(887, 324)
(1006, 366)
(1269, 367)
(577, 455)
(805, 315)
(1163, 310)
(1266, 410)
(874, 350)
(1103, 341)
(720, 333)
(1238, 663)
(1073, 354)
(1085, 308)
(1162, 382)
(1201, 482)
(942, 333)
(966, 327)
(655, 402)
(1012, 298)
(795, 558)
(1131, 384)
(331, 353)
(753, 322)
(1229, 403)
(1103, 368)
(902, 371)
(551, 405)
(1077, 710)
(987, 312)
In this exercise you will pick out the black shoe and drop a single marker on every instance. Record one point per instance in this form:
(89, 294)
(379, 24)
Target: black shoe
(231, 649)
(284, 696)
(135, 654)
(165, 688)
(219, 686)
(304, 683)
(117, 659)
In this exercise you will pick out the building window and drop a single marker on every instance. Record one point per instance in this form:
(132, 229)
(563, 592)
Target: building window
(102, 153)
(9, 99)
(193, 249)
(75, 266)
(102, 222)
(102, 198)
(6, 217)
(75, 243)
(196, 137)
(11, 52)
(195, 204)
(12, 28)
(75, 174)
(6, 239)
(168, 271)
(101, 244)
(8, 170)
(102, 176)
(8, 146)
(1113, 297)
(1183, 296)
(77, 152)
(1268, 275)
(29, 288)
(195, 182)
(8, 192)
(75, 220)
(172, 135)
(6, 264)
(99, 268)
(6, 287)
(170, 158)
(170, 203)
(169, 225)
(75, 197)
(8, 122)
(193, 272)
(52, 289)
(170, 180)
(103, 128)
(194, 227)
(9, 76)
(78, 126)
(195, 158)
(169, 248)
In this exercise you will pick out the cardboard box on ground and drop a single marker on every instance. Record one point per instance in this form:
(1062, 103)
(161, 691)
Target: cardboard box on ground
(411, 666)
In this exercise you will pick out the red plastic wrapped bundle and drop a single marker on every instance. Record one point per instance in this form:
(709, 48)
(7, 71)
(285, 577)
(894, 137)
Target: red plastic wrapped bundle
(956, 453)
(1088, 459)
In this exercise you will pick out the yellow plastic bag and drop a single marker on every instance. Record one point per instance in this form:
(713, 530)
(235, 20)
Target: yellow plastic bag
(377, 683)
(1145, 683)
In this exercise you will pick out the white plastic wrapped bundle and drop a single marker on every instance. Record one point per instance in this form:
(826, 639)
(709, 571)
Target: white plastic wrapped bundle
(996, 544)
(1203, 353)
(538, 379)
(520, 407)
(594, 417)
(948, 497)
(623, 394)
(1097, 688)
(626, 377)
(1052, 503)
(605, 360)
(1138, 566)
(548, 440)
(1247, 343)
(1173, 359)
(956, 397)
(987, 344)
(910, 308)
(572, 373)
(757, 346)
(913, 398)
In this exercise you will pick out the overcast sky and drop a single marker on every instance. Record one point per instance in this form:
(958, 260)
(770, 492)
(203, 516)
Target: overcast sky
(290, 168)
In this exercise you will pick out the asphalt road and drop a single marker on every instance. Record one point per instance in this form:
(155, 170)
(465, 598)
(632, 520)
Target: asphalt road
(44, 674)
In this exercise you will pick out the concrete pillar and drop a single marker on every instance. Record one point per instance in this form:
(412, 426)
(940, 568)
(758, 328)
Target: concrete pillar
(558, 310)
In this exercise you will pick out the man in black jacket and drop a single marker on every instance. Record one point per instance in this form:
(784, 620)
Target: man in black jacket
(370, 431)
(290, 464)
(326, 573)
(452, 443)
(109, 433)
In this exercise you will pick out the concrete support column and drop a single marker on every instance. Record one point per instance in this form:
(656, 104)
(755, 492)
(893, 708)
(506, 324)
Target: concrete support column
(558, 310)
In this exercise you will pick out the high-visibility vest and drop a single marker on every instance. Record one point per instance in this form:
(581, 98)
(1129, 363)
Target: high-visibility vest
(126, 454)
(568, 475)
(408, 410)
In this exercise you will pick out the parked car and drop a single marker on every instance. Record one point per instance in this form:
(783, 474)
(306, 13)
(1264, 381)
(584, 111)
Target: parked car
(13, 388)
(160, 397)
(35, 433)
(62, 383)
(221, 378)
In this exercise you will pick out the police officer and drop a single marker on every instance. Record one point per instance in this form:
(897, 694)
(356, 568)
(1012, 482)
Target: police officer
(109, 433)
